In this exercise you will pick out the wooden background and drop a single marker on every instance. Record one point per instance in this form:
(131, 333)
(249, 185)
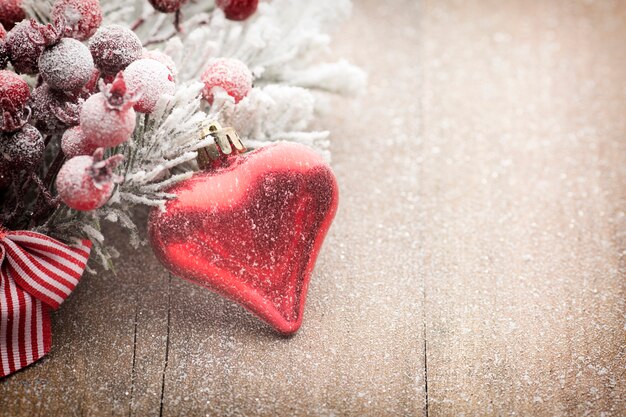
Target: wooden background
(476, 265)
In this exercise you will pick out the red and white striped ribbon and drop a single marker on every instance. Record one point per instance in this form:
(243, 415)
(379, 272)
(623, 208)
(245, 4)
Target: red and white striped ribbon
(37, 273)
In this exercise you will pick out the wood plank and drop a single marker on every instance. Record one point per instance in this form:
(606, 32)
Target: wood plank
(110, 323)
(360, 350)
(523, 194)
(121, 339)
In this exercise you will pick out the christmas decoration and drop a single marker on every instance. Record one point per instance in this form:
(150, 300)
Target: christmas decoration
(107, 119)
(66, 66)
(37, 274)
(75, 143)
(148, 80)
(83, 17)
(21, 150)
(238, 9)
(86, 182)
(250, 226)
(11, 12)
(114, 47)
(101, 106)
(167, 6)
(4, 54)
(53, 111)
(14, 94)
(230, 75)
(24, 45)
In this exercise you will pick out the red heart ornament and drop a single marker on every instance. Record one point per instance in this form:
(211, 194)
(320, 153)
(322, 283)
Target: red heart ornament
(251, 229)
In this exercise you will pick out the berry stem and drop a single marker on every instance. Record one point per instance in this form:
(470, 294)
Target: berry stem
(160, 39)
(54, 169)
(177, 21)
(137, 23)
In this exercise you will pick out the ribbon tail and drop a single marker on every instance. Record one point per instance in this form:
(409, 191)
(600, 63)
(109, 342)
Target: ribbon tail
(25, 334)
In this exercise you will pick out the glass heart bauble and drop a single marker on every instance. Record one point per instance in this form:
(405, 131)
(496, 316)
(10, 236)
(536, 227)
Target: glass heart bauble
(251, 229)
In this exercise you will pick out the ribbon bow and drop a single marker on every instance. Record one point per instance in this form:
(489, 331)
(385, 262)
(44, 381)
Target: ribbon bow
(37, 273)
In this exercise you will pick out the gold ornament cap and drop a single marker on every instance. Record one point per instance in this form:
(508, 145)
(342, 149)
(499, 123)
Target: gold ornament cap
(226, 143)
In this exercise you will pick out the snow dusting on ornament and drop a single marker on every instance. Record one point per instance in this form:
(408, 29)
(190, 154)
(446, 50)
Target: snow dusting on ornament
(21, 151)
(107, 119)
(14, 95)
(167, 6)
(67, 65)
(237, 9)
(74, 143)
(148, 80)
(114, 47)
(11, 12)
(229, 74)
(83, 17)
(87, 182)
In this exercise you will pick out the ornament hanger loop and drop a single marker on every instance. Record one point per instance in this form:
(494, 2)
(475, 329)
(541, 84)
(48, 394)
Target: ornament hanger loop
(227, 143)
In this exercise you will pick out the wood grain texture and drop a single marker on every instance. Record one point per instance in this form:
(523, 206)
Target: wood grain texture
(523, 197)
(476, 265)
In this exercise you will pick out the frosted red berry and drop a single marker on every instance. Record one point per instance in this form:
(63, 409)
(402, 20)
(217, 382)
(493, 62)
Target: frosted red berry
(11, 12)
(67, 65)
(83, 17)
(54, 111)
(26, 42)
(238, 9)
(164, 59)
(148, 80)
(23, 48)
(114, 47)
(21, 151)
(107, 119)
(4, 53)
(14, 96)
(75, 143)
(87, 182)
(228, 74)
(14, 91)
(167, 6)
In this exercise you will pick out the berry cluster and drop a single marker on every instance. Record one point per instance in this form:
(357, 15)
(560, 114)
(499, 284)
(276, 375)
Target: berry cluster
(91, 81)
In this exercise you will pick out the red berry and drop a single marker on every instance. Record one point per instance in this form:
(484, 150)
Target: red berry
(74, 143)
(231, 75)
(67, 65)
(107, 119)
(163, 59)
(237, 9)
(82, 16)
(11, 12)
(114, 47)
(148, 80)
(87, 182)
(167, 6)
(14, 95)
(21, 151)
(23, 49)
(54, 111)
(4, 53)
(14, 91)
(27, 40)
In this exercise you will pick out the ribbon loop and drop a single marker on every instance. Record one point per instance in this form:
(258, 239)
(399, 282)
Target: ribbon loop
(37, 273)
